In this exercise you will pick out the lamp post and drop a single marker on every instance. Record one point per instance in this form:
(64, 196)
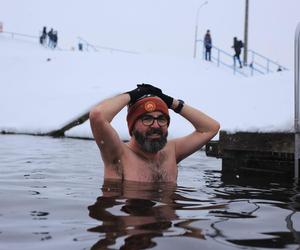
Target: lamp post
(196, 27)
(297, 102)
(246, 33)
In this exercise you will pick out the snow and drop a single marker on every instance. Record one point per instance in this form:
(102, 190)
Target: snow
(159, 27)
(43, 89)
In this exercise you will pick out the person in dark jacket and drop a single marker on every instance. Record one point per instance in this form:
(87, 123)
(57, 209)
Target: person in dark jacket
(237, 46)
(50, 36)
(54, 39)
(43, 37)
(207, 45)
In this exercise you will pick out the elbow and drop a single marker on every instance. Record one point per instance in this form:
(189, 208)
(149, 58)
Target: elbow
(215, 128)
(96, 115)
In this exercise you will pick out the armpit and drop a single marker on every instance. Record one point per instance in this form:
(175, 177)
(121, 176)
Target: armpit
(117, 166)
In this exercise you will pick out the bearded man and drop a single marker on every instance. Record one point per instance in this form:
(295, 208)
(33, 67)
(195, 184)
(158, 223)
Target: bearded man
(148, 156)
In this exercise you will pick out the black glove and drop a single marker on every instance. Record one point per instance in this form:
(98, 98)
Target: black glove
(158, 92)
(167, 99)
(137, 93)
(148, 89)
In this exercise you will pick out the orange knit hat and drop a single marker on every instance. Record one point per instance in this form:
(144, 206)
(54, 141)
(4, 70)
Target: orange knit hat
(145, 105)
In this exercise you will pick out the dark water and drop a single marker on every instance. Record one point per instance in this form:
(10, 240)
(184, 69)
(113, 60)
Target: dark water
(52, 196)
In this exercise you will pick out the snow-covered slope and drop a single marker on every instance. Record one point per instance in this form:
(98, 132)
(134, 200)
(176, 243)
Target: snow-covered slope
(42, 89)
(159, 27)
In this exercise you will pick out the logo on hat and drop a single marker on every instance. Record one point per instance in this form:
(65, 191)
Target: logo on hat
(150, 106)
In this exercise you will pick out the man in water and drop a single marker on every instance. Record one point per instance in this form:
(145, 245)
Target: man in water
(148, 156)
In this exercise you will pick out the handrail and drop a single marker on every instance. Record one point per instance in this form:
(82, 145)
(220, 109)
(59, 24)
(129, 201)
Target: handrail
(221, 62)
(297, 102)
(14, 34)
(255, 65)
(118, 50)
(96, 47)
(18, 34)
(258, 64)
(252, 66)
(86, 43)
(267, 59)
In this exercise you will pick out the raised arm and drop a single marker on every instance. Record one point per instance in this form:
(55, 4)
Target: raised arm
(105, 135)
(205, 129)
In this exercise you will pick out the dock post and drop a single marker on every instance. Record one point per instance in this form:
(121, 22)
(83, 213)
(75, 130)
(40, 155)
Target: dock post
(297, 102)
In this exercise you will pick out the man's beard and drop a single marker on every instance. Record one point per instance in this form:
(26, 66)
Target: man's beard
(151, 145)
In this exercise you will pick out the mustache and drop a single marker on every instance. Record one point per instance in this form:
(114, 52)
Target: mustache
(154, 131)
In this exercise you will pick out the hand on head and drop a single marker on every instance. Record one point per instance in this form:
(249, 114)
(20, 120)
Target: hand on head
(148, 89)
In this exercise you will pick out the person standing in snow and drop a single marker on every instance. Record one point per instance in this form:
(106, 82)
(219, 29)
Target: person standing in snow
(237, 46)
(43, 37)
(148, 156)
(207, 45)
(50, 38)
(54, 39)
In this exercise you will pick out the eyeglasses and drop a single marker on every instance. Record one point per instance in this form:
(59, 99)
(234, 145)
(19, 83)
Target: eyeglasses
(148, 120)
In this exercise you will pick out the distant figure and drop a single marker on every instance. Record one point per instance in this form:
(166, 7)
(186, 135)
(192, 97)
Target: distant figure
(207, 45)
(237, 46)
(41, 40)
(279, 69)
(54, 39)
(50, 36)
(44, 34)
(43, 37)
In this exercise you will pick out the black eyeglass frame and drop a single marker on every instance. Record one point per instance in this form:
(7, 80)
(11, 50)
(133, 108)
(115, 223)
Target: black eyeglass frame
(165, 123)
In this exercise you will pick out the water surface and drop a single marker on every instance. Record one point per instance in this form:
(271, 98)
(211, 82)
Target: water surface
(53, 196)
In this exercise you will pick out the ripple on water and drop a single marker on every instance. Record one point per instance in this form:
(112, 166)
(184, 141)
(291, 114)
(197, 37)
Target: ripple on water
(53, 197)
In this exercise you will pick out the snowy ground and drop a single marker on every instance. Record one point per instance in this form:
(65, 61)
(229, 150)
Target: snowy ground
(160, 27)
(41, 89)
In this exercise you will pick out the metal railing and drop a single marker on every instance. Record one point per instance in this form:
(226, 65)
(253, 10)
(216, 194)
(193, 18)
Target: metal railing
(83, 44)
(297, 102)
(264, 64)
(259, 64)
(25, 37)
(14, 35)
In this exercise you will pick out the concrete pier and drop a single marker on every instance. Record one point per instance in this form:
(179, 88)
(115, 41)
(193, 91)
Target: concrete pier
(255, 153)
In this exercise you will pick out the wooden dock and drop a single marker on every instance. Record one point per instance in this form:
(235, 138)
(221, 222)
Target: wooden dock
(255, 153)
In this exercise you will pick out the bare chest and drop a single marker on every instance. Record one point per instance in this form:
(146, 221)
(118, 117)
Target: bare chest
(162, 169)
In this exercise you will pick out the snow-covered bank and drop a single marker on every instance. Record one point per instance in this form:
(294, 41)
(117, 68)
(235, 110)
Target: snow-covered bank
(41, 90)
(159, 27)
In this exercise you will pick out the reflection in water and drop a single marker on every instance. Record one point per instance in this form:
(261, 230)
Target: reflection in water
(140, 212)
(38, 215)
(259, 191)
(44, 187)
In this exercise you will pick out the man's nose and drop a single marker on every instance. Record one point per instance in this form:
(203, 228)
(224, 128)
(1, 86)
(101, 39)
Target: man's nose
(155, 124)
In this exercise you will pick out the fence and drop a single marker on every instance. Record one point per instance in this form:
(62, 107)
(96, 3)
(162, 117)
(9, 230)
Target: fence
(85, 45)
(25, 37)
(14, 35)
(259, 64)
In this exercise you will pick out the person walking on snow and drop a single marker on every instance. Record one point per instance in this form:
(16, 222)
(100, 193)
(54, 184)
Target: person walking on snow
(207, 45)
(237, 46)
